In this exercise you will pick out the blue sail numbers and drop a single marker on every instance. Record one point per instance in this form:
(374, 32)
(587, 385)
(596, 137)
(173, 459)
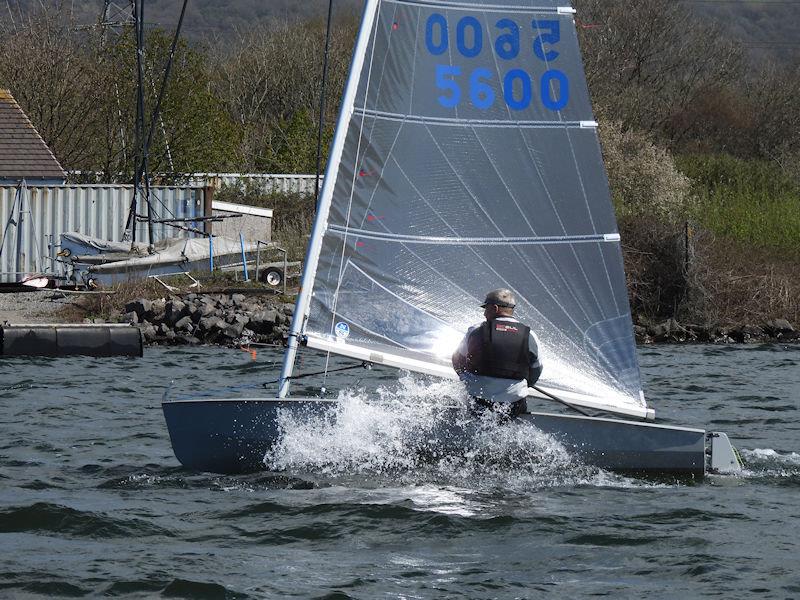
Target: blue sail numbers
(464, 37)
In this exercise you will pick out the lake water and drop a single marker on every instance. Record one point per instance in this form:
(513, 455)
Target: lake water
(93, 502)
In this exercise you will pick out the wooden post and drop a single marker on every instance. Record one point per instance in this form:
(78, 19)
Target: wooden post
(687, 240)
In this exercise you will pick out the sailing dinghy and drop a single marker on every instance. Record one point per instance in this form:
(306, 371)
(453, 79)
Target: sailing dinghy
(466, 158)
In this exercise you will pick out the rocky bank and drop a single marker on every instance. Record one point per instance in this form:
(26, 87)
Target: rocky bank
(236, 319)
(230, 320)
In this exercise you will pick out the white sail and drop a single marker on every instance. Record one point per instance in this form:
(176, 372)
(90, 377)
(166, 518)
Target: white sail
(466, 158)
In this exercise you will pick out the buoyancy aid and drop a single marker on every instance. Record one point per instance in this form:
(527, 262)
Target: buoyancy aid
(499, 348)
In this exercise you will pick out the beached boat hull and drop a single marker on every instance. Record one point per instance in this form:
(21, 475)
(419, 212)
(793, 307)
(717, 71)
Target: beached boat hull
(232, 436)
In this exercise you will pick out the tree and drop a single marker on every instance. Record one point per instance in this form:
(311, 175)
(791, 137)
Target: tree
(269, 81)
(78, 87)
(647, 61)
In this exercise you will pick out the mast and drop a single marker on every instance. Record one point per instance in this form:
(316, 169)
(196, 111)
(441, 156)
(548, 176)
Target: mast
(323, 207)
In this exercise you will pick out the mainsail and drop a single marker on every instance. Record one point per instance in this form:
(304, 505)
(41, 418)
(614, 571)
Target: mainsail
(466, 158)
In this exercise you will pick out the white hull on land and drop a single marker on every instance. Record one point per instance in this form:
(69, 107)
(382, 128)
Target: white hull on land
(232, 436)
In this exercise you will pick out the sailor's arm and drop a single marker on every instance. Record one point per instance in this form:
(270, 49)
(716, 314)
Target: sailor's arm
(535, 370)
(459, 357)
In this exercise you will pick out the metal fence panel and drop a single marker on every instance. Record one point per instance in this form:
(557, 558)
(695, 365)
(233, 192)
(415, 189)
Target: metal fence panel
(283, 183)
(96, 210)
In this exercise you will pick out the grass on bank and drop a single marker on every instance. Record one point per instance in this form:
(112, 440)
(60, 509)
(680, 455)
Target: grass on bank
(752, 202)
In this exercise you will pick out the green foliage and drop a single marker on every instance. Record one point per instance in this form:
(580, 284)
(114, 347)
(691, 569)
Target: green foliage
(293, 145)
(193, 133)
(750, 201)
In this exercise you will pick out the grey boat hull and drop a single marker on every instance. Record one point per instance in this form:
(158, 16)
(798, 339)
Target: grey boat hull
(232, 436)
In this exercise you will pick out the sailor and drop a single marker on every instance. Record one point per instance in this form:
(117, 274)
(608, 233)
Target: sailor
(499, 359)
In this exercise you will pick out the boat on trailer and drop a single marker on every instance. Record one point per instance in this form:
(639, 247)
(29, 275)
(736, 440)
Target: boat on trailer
(466, 158)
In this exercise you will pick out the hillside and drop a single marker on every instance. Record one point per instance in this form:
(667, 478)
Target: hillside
(770, 29)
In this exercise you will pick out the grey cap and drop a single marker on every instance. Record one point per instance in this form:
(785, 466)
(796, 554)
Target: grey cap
(500, 297)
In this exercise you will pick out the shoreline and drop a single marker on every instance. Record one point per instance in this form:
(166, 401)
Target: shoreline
(239, 318)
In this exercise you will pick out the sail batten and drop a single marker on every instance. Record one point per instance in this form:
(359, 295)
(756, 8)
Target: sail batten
(495, 241)
(470, 161)
(508, 7)
(455, 122)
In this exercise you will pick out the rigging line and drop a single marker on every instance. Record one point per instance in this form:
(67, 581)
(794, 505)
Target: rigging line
(10, 218)
(364, 365)
(355, 174)
(322, 100)
(557, 399)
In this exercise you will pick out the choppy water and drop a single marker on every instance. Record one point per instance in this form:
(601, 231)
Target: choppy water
(93, 502)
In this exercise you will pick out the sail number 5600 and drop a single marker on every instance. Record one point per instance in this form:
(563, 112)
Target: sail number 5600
(517, 86)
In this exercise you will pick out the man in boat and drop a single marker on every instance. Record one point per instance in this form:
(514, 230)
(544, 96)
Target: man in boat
(498, 359)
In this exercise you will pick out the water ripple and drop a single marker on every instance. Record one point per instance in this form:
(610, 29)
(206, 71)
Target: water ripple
(49, 519)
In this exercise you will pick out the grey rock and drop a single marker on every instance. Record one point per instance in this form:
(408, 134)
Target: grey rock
(157, 309)
(189, 340)
(262, 322)
(184, 323)
(234, 330)
(162, 329)
(209, 323)
(658, 331)
(779, 326)
(149, 333)
(237, 299)
(288, 309)
(205, 310)
(140, 306)
(132, 317)
(173, 312)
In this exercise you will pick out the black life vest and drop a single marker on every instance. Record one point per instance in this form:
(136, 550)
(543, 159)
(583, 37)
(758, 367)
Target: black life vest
(499, 349)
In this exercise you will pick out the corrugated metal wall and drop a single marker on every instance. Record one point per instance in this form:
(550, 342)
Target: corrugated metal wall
(95, 210)
(285, 183)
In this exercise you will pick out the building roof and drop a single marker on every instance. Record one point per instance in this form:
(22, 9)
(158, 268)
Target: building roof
(23, 152)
